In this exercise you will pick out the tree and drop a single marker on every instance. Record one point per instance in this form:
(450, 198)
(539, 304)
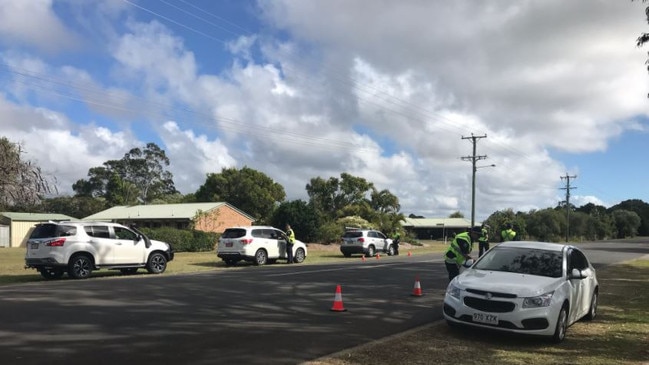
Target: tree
(456, 215)
(545, 225)
(77, 207)
(640, 208)
(247, 189)
(22, 183)
(386, 205)
(302, 217)
(355, 196)
(139, 177)
(626, 223)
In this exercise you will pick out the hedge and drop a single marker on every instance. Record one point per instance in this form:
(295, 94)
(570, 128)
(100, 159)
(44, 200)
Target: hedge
(183, 240)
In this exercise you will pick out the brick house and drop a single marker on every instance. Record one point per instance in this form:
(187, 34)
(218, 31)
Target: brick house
(207, 217)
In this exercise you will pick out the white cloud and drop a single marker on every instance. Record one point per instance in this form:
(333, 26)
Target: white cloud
(192, 156)
(381, 92)
(34, 23)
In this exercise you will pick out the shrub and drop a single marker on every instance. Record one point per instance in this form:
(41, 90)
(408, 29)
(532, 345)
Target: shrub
(183, 240)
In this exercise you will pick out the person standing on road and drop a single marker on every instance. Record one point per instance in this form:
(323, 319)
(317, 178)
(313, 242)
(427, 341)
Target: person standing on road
(483, 240)
(290, 239)
(396, 238)
(508, 234)
(459, 251)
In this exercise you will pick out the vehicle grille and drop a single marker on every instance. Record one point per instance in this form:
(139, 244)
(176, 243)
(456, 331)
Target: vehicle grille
(493, 294)
(493, 306)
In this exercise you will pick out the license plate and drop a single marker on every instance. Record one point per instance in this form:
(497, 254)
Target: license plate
(33, 246)
(228, 244)
(485, 318)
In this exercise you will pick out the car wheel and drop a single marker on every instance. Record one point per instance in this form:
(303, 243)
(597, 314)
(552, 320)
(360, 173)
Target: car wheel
(562, 326)
(370, 251)
(299, 256)
(128, 271)
(592, 312)
(51, 273)
(261, 257)
(80, 266)
(157, 263)
(391, 250)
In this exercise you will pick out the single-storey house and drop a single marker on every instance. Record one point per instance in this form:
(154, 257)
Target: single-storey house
(16, 227)
(207, 217)
(435, 228)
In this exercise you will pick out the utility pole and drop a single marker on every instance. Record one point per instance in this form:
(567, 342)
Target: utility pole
(474, 158)
(567, 201)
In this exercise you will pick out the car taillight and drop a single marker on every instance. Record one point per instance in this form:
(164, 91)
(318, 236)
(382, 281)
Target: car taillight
(56, 243)
(246, 241)
(361, 240)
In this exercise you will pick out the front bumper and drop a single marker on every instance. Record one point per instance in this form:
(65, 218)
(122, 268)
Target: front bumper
(503, 314)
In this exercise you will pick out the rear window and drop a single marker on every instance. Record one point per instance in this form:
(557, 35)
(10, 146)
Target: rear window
(53, 230)
(234, 233)
(353, 234)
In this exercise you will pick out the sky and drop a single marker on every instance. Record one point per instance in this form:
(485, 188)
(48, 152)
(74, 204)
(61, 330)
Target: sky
(390, 91)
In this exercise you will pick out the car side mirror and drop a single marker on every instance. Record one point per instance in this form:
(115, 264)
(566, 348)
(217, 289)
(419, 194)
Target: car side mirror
(577, 274)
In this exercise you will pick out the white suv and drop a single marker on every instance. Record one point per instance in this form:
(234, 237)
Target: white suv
(257, 244)
(367, 242)
(78, 248)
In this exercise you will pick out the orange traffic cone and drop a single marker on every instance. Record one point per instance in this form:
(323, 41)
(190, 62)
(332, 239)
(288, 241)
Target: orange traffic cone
(338, 301)
(409, 254)
(363, 258)
(378, 257)
(416, 292)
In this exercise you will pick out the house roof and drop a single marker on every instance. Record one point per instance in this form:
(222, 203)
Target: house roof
(159, 211)
(437, 223)
(37, 217)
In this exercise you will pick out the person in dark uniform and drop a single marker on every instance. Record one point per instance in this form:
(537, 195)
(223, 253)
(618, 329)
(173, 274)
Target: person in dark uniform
(290, 239)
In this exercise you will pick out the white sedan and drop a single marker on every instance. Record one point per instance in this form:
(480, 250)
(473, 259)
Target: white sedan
(524, 287)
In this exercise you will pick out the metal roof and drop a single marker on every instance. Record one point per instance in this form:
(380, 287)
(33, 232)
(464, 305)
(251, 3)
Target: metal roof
(37, 217)
(437, 223)
(158, 211)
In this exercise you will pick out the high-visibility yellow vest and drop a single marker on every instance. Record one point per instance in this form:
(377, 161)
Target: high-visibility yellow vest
(454, 247)
(508, 234)
(291, 236)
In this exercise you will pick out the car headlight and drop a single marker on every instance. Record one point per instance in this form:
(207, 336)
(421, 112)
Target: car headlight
(453, 291)
(538, 301)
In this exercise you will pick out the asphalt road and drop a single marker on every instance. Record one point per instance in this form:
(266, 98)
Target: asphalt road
(277, 314)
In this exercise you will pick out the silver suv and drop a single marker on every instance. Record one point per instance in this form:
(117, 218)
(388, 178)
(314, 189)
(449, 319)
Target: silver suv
(78, 248)
(367, 242)
(257, 244)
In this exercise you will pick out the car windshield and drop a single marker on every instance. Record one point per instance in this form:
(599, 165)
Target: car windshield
(522, 261)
